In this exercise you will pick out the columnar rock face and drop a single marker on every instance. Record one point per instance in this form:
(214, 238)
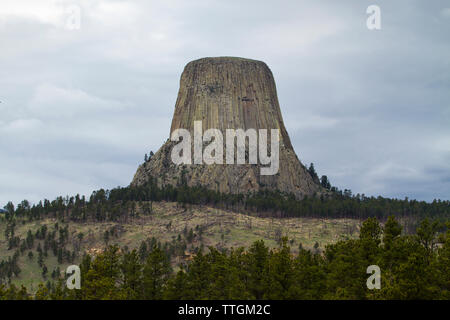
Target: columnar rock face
(229, 93)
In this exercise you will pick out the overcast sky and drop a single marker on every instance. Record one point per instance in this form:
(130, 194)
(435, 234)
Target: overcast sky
(80, 108)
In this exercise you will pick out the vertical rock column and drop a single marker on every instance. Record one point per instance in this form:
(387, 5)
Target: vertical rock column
(229, 93)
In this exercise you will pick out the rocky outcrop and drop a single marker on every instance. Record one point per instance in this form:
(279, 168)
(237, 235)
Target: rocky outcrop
(229, 93)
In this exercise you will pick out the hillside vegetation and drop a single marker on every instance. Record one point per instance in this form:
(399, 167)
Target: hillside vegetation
(37, 242)
(412, 267)
(183, 230)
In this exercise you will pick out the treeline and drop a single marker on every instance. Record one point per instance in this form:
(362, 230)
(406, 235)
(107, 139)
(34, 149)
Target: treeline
(412, 267)
(121, 204)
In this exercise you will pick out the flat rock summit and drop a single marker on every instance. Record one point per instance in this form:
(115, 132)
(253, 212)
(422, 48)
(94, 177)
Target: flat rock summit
(229, 93)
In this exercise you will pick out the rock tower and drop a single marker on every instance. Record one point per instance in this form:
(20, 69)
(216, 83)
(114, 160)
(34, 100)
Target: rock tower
(229, 93)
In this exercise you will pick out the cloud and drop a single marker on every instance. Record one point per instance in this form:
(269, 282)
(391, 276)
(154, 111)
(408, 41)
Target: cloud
(52, 101)
(446, 12)
(46, 12)
(21, 125)
(310, 121)
(80, 108)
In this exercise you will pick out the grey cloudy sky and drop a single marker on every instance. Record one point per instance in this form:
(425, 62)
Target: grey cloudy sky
(79, 108)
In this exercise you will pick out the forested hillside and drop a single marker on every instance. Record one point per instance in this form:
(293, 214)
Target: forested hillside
(38, 250)
(120, 204)
(412, 267)
(192, 225)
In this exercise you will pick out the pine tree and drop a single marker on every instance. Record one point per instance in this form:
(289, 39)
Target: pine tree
(40, 259)
(279, 273)
(99, 282)
(155, 274)
(325, 182)
(132, 275)
(257, 258)
(313, 173)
